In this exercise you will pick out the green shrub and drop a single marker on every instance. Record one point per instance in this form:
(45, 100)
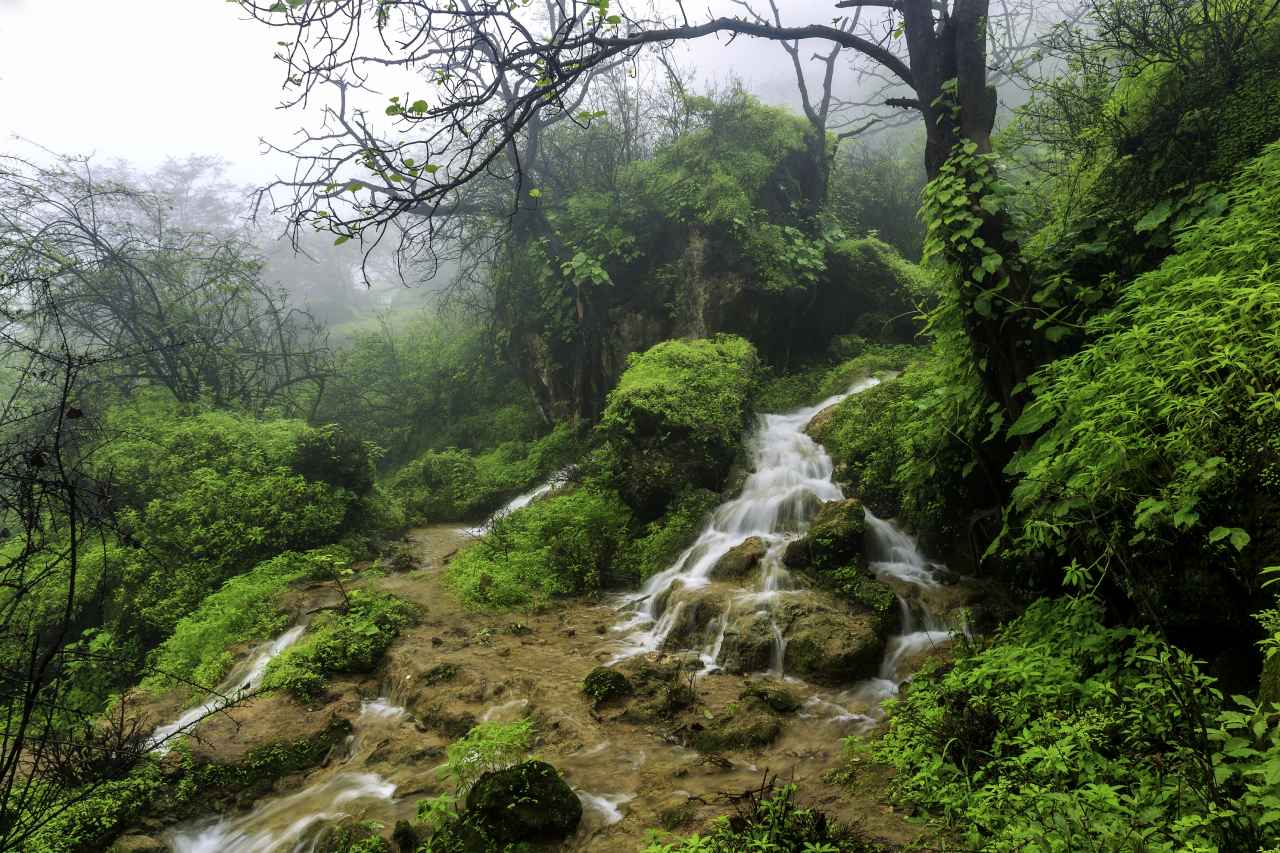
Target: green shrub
(676, 419)
(661, 541)
(245, 609)
(354, 641)
(562, 545)
(487, 747)
(1157, 442)
(456, 485)
(1064, 734)
(333, 455)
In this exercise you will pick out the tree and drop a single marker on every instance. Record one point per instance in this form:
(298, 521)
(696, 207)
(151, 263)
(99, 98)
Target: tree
(178, 308)
(491, 73)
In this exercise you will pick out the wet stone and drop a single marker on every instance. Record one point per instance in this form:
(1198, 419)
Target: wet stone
(739, 561)
(528, 802)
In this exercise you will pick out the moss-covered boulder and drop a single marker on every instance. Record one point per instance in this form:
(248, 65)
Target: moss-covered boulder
(676, 419)
(748, 644)
(742, 726)
(526, 803)
(828, 645)
(138, 844)
(834, 538)
(740, 560)
(776, 697)
(694, 615)
(603, 685)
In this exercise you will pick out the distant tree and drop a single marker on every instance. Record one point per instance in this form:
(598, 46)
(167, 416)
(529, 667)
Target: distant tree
(490, 75)
(179, 308)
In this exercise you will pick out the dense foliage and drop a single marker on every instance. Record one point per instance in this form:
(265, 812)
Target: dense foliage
(1061, 733)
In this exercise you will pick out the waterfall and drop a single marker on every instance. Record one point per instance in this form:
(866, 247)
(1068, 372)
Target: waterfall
(791, 478)
(555, 481)
(244, 677)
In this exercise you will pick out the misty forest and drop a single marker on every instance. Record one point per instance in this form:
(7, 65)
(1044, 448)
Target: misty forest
(790, 426)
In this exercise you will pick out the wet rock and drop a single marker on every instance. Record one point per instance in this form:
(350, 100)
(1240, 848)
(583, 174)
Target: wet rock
(739, 560)
(452, 725)
(603, 685)
(528, 802)
(748, 643)
(693, 616)
(776, 698)
(832, 646)
(138, 844)
(676, 811)
(820, 424)
(747, 725)
(350, 834)
(834, 539)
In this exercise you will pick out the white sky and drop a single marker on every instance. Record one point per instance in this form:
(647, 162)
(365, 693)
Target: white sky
(143, 80)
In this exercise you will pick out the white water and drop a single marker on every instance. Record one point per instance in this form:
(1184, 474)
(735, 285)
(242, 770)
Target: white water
(791, 478)
(244, 678)
(553, 482)
(272, 826)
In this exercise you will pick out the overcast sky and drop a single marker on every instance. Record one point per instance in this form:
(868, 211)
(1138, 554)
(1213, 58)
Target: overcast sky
(144, 80)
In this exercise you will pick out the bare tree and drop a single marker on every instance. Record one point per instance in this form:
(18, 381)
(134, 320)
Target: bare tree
(185, 310)
(491, 73)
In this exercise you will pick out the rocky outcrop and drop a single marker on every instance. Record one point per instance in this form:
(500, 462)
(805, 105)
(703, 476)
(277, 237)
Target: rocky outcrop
(827, 643)
(739, 561)
(834, 539)
(526, 803)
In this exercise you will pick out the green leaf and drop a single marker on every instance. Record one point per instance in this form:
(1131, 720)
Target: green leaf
(535, 193)
(1033, 417)
(419, 106)
(1155, 217)
(344, 238)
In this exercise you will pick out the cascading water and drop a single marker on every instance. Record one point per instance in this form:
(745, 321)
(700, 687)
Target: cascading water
(555, 481)
(791, 479)
(243, 678)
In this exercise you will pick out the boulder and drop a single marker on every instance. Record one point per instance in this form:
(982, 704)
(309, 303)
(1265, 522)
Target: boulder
(827, 645)
(603, 684)
(834, 538)
(747, 726)
(526, 803)
(776, 698)
(739, 560)
(820, 424)
(748, 643)
(694, 615)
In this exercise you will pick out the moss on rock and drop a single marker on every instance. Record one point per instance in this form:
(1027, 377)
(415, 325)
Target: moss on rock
(603, 684)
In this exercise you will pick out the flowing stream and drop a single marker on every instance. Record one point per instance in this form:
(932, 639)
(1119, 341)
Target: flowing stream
(791, 478)
(245, 677)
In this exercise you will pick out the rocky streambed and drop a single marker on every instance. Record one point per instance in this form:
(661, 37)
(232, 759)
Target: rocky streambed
(780, 631)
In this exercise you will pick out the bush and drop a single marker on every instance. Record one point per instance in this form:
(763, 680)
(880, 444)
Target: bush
(1155, 450)
(562, 545)
(811, 385)
(456, 485)
(661, 541)
(676, 419)
(330, 454)
(354, 641)
(1064, 734)
(245, 609)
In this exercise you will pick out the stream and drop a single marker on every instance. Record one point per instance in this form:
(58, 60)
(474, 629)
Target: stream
(614, 769)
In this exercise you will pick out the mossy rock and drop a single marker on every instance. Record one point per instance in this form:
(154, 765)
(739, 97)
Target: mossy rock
(776, 698)
(739, 560)
(528, 802)
(745, 726)
(748, 643)
(835, 537)
(349, 834)
(829, 645)
(603, 685)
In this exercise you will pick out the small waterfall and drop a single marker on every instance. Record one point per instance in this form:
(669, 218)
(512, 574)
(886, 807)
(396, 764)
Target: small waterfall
(274, 826)
(555, 481)
(244, 677)
(791, 478)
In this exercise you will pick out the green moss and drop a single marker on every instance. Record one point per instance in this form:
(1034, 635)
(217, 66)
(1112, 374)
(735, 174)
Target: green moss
(562, 545)
(245, 609)
(676, 419)
(354, 641)
(603, 684)
(750, 725)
